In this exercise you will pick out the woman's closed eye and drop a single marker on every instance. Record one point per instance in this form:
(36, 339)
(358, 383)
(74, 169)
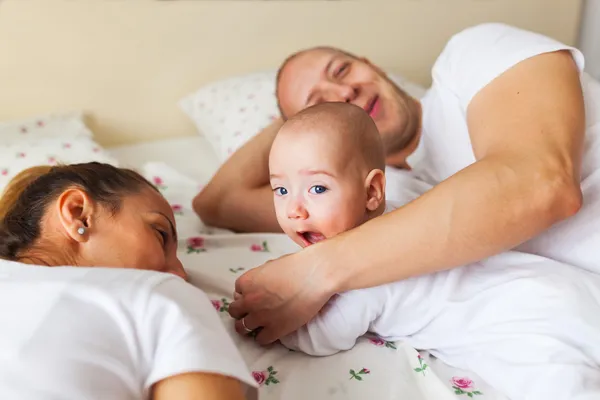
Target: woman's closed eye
(280, 191)
(162, 236)
(318, 189)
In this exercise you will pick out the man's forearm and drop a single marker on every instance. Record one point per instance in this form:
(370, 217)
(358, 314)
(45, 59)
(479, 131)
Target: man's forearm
(239, 196)
(248, 211)
(483, 210)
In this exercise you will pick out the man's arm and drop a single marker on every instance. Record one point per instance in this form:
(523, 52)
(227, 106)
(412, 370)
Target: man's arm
(527, 128)
(239, 196)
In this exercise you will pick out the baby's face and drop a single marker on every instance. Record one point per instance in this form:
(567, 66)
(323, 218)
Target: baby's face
(318, 192)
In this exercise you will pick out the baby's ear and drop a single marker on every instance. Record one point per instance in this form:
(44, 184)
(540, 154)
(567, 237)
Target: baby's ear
(375, 186)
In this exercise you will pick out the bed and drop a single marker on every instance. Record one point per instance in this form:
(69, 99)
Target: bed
(173, 88)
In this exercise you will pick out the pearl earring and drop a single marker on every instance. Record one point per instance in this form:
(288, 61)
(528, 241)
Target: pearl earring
(81, 230)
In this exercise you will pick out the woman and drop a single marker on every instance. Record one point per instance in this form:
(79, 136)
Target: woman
(94, 325)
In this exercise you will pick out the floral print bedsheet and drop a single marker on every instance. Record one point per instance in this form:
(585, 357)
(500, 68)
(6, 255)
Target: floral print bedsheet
(373, 369)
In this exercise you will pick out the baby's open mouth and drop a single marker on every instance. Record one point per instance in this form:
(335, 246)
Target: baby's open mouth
(311, 237)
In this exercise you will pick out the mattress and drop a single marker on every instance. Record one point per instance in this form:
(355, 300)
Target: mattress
(373, 369)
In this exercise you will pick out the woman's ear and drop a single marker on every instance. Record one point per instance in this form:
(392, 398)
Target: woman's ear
(75, 210)
(375, 185)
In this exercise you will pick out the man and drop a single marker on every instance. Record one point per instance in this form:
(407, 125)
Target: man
(501, 134)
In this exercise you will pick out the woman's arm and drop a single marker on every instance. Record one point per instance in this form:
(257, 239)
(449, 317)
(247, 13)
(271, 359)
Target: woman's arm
(527, 130)
(198, 386)
(239, 196)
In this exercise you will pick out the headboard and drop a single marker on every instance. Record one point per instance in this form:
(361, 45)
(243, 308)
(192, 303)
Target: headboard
(126, 63)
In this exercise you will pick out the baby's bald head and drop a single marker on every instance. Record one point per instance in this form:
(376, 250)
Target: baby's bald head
(350, 131)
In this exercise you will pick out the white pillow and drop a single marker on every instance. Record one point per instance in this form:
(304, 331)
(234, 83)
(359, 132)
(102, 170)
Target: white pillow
(46, 140)
(231, 111)
(50, 125)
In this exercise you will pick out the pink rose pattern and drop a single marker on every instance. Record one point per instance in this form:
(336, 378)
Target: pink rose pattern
(422, 365)
(259, 376)
(195, 245)
(159, 183)
(260, 247)
(267, 377)
(4, 172)
(464, 385)
(221, 305)
(358, 375)
(177, 209)
(379, 342)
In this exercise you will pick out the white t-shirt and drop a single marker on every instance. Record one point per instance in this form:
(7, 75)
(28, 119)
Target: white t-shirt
(470, 61)
(105, 333)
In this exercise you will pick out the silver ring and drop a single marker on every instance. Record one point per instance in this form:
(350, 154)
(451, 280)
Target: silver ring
(245, 327)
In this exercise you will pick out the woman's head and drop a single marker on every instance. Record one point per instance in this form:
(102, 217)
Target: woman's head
(87, 215)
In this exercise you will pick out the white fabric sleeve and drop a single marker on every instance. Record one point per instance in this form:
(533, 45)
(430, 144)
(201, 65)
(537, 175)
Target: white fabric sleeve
(338, 325)
(476, 56)
(182, 333)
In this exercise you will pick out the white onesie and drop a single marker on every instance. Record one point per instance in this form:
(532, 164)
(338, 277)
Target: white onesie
(527, 325)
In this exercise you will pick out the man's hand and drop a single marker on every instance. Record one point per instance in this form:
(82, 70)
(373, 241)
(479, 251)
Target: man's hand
(280, 296)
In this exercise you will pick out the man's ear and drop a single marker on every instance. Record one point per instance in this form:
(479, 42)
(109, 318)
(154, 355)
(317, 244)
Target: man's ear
(375, 186)
(75, 210)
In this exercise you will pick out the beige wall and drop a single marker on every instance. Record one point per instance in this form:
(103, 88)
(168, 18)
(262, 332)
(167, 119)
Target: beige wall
(127, 62)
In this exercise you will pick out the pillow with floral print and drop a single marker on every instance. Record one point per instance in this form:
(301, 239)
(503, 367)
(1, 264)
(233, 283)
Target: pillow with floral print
(46, 140)
(62, 125)
(231, 111)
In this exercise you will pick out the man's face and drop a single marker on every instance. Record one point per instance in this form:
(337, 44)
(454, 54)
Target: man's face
(327, 75)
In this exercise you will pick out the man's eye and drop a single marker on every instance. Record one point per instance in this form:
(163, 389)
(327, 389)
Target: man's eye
(341, 70)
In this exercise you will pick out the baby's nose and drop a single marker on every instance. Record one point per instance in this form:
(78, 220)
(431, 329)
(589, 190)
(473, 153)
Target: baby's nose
(296, 210)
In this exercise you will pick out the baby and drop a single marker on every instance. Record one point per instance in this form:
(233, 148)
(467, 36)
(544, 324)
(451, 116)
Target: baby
(527, 325)
(327, 172)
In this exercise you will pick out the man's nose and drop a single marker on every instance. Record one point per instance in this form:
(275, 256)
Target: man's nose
(342, 92)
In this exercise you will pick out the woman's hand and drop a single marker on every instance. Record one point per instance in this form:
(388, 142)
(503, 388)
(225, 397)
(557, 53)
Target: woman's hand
(282, 295)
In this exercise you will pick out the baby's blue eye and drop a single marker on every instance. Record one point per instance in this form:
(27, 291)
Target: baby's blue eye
(280, 191)
(318, 189)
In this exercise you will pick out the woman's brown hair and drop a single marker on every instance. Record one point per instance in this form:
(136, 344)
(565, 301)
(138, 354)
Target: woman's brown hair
(26, 198)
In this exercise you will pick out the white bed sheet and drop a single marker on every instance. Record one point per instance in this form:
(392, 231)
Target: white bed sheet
(373, 369)
(192, 156)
